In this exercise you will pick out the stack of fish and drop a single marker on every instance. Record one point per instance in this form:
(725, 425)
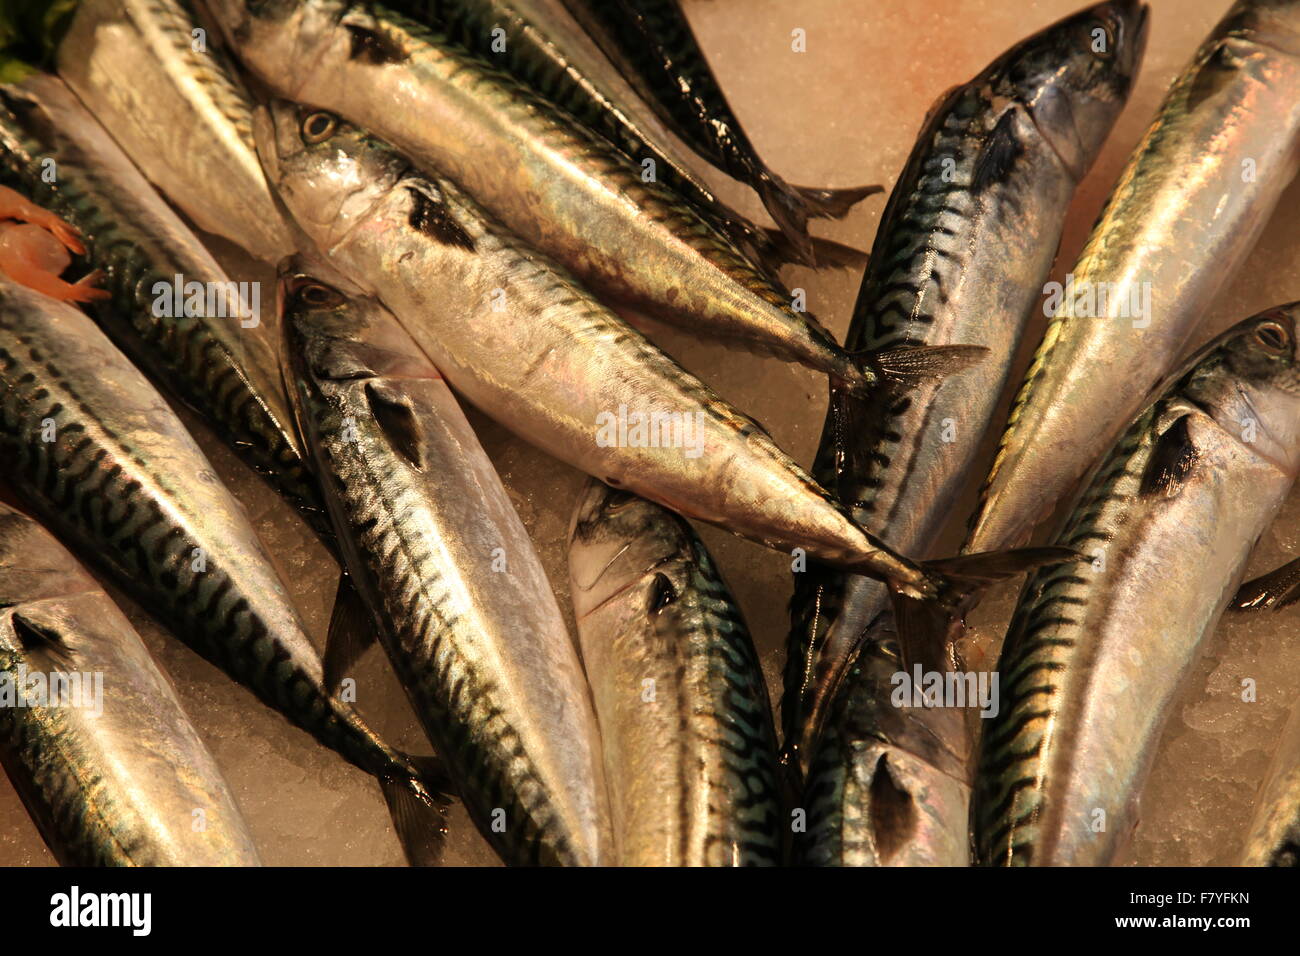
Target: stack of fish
(457, 194)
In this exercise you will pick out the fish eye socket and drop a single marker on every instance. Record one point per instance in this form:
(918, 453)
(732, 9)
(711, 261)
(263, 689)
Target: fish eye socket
(318, 127)
(1273, 336)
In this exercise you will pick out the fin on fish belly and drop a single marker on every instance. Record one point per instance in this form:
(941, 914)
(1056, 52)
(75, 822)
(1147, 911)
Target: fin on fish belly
(351, 634)
(927, 628)
(911, 366)
(1273, 591)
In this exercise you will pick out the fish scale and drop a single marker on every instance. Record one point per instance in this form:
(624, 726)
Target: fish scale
(225, 372)
(1095, 654)
(694, 783)
(124, 477)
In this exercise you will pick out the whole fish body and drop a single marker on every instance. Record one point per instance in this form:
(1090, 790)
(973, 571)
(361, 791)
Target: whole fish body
(967, 240)
(560, 188)
(1096, 654)
(98, 455)
(1186, 211)
(151, 74)
(652, 44)
(220, 359)
(687, 727)
(440, 557)
(517, 337)
(110, 768)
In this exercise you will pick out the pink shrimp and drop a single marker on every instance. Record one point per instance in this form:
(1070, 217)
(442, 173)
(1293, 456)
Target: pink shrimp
(34, 250)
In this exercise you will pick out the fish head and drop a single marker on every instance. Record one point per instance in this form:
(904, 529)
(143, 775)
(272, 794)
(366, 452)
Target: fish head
(328, 173)
(284, 39)
(1074, 77)
(1249, 380)
(619, 542)
(335, 332)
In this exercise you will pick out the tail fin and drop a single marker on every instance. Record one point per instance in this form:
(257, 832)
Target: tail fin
(928, 630)
(1273, 591)
(792, 206)
(417, 802)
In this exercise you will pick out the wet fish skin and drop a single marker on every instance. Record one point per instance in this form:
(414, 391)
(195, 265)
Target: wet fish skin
(655, 49)
(180, 114)
(560, 188)
(224, 371)
(1095, 656)
(482, 650)
(692, 771)
(115, 788)
(1180, 220)
(125, 482)
(967, 240)
(516, 336)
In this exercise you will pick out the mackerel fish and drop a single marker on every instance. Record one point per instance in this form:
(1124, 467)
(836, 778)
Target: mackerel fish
(520, 339)
(443, 563)
(1096, 654)
(967, 241)
(99, 748)
(687, 727)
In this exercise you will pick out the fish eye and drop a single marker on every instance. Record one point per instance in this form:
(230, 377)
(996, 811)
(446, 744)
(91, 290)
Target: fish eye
(318, 127)
(311, 294)
(1273, 336)
(1101, 39)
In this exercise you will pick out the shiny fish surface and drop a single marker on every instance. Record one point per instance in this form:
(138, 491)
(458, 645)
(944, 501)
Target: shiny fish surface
(437, 552)
(113, 773)
(1097, 652)
(517, 337)
(222, 361)
(1186, 211)
(689, 745)
(96, 453)
(561, 189)
(151, 74)
(967, 241)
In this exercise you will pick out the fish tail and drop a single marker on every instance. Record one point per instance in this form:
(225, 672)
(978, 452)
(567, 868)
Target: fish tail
(792, 206)
(1278, 589)
(417, 798)
(929, 625)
